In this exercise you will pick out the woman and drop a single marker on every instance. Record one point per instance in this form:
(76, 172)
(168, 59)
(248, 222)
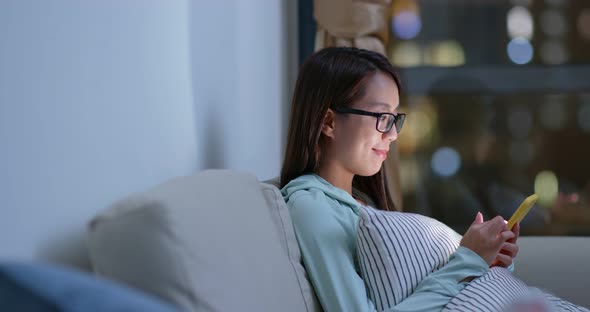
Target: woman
(344, 116)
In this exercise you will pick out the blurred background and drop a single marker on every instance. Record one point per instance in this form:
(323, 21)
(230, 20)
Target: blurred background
(100, 99)
(498, 101)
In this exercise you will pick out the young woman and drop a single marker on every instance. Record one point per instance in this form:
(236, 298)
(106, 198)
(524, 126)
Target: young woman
(344, 117)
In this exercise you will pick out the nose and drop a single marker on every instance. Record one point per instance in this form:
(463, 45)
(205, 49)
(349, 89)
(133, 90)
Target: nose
(391, 135)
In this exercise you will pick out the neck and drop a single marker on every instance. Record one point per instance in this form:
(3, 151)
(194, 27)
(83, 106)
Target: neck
(337, 177)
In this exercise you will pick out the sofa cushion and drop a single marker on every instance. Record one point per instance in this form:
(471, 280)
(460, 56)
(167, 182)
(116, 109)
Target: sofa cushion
(204, 242)
(284, 227)
(397, 250)
(496, 290)
(44, 287)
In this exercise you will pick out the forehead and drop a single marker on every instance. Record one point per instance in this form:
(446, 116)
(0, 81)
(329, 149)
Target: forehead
(381, 92)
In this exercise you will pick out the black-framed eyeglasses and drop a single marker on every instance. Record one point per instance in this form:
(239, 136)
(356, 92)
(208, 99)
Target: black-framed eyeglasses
(385, 121)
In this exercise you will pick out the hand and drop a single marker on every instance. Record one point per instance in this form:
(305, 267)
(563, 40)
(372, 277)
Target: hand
(509, 250)
(487, 238)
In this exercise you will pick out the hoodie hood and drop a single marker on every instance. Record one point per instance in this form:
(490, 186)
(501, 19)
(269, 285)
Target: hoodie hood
(310, 182)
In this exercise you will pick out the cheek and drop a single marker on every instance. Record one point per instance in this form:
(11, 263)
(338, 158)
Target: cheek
(358, 146)
(355, 152)
(355, 142)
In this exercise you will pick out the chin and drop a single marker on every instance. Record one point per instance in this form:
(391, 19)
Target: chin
(367, 172)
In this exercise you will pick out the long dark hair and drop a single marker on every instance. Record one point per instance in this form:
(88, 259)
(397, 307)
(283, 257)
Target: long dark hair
(331, 78)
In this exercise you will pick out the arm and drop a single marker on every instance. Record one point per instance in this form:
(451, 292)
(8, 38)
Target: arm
(477, 250)
(327, 242)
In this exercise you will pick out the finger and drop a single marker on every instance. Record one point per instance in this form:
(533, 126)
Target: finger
(495, 263)
(496, 225)
(478, 218)
(504, 260)
(516, 231)
(509, 249)
(506, 235)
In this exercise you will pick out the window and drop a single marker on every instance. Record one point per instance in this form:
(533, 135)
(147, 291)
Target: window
(498, 106)
(497, 96)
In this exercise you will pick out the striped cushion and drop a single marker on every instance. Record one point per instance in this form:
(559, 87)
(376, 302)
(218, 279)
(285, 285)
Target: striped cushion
(493, 291)
(499, 291)
(396, 251)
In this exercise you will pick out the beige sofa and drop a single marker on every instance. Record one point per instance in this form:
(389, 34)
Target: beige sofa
(223, 241)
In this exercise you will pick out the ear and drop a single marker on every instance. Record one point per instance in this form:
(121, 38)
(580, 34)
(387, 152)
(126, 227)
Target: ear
(328, 123)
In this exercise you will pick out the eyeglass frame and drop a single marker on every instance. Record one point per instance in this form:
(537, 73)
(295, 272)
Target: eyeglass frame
(396, 117)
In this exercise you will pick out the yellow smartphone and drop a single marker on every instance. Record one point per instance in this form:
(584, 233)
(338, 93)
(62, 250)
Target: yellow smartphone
(522, 210)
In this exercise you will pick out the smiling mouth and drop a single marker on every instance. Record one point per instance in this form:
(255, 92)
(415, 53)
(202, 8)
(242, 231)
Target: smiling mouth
(381, 153)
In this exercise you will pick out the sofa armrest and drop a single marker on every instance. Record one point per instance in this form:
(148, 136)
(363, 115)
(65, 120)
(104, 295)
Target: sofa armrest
(204, 242)
(556, 264)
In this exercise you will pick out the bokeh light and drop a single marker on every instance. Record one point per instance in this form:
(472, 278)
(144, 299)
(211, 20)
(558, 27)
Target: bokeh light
(445, 53)
(553, 113)
(421, 121)
(546, 186)
(553, 23)
(421, 125)
(407, 54)
(520, 23)
(584, 24)
(520, 51)
(553, 52)
(520, 122)
(445, 161)
(406, 24)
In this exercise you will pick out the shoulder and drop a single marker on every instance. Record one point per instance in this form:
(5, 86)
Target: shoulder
(314, 214)
(306, 192)
(310, 202)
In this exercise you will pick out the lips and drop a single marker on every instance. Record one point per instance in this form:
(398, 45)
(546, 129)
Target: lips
(381, 153)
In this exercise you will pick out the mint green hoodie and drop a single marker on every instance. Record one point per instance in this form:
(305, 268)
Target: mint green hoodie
(325, 220)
